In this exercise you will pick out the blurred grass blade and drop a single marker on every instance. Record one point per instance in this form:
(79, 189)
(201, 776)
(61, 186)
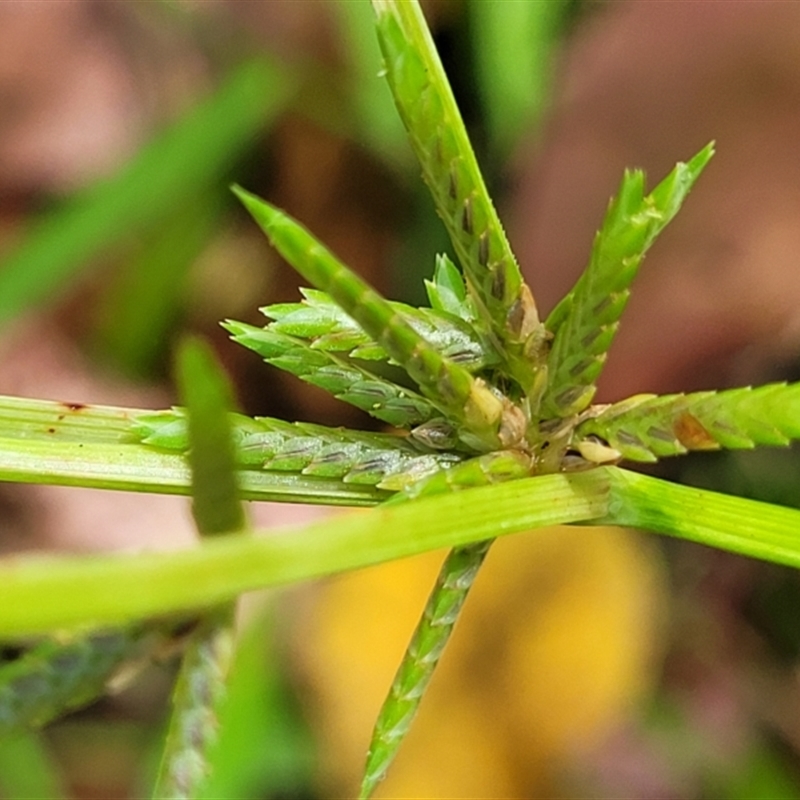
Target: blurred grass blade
(146, 295)
(27, 769)
(196, 150)
(585, 321)
(513, 42)
(649, 427)
(374, 120)
(206, 392)
(217, 509)
(426, 104)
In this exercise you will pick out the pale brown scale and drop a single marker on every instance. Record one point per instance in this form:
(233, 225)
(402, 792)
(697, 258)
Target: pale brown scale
(522, 320)
(498, 270)
(594, 449)
(692, 434)
(513, 425)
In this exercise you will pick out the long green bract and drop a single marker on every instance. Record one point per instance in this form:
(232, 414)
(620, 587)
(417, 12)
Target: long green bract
(37, 591)
(585, 321)
(648, 427)
(466, 401)
(428, 109)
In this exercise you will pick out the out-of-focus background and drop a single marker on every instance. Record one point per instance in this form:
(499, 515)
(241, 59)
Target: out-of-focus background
(589, 662)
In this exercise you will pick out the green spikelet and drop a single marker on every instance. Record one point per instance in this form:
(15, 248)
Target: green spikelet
(373, 459)
(196, 700)
(320, 321)
(444, 605)
(416, 670)
(428, 109)
(55, 677)
(345, 380)
(585, 321)
(649, 427)
(478, 412)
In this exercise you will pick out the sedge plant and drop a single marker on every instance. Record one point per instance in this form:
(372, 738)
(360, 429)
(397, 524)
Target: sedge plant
(493, 431)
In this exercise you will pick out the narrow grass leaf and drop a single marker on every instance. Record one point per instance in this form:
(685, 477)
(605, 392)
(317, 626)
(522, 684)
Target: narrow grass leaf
(206, 392)
(196, 150)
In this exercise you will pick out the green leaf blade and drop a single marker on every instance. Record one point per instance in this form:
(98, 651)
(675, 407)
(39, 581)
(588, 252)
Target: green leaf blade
(190, 155)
